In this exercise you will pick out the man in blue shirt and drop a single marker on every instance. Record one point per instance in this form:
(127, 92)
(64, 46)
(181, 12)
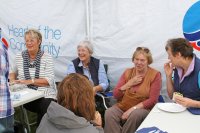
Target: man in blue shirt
(6, 109)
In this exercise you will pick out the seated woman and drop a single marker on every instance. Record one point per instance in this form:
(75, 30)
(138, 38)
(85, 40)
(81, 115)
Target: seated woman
(137, 91)
(91, 67)
(35, 69)
(75, 110)
(183, 73)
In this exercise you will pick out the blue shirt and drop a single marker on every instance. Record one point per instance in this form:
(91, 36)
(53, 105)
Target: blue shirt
(6, 108)
(103, 80)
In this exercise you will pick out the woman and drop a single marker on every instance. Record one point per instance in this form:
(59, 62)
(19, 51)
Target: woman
(185, 68)
(35, 69)
(137, 91)
(75, 110)
(91, 67)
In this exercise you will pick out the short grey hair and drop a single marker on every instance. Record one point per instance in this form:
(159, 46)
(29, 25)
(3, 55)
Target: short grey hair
(86, 44)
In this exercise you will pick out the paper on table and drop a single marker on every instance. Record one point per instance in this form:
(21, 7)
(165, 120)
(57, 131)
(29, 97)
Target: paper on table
(15, 96)
(24, 93)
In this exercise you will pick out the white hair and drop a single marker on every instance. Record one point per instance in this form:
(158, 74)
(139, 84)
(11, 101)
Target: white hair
(86, 44)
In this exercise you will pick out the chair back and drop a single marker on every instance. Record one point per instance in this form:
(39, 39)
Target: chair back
(106, 69)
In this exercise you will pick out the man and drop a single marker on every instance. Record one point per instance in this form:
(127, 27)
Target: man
(6, 109)
(185, 68)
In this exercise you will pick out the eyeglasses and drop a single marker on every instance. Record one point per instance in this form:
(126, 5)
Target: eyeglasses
(143, 48)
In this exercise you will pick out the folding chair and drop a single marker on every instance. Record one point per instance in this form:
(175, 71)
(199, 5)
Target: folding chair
(104, 96)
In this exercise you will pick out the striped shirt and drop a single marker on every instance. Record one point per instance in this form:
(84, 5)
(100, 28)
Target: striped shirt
(46, 71)
(6, 108)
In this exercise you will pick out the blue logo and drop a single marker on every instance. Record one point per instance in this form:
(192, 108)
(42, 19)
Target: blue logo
(150, 130)
(191, 25)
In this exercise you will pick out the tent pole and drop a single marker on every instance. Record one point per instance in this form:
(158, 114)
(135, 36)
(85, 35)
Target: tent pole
(87, 21)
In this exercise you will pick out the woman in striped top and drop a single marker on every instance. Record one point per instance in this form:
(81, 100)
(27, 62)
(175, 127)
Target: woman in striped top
(35, 69)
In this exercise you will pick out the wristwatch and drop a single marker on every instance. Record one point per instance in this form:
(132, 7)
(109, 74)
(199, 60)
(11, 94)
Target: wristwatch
(33, 81)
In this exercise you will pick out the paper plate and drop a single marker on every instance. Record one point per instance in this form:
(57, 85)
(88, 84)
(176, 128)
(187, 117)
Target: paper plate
(171, 107)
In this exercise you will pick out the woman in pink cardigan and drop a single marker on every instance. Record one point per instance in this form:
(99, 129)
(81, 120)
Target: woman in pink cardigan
(137, 91)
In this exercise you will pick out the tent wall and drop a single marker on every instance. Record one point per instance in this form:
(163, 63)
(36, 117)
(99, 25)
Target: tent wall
(116, 28)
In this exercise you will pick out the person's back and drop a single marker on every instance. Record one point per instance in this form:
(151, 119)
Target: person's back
(61, 120)
(75, 110)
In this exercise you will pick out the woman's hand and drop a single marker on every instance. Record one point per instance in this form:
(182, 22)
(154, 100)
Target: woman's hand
(133, 81)
(97, 88)
(26, 82)
(98, 119)
(168, 67)
(186, 102)
(126, 114)
(94, 90)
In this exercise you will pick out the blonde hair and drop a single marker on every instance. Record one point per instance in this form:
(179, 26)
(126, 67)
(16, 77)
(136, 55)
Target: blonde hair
(34, 33)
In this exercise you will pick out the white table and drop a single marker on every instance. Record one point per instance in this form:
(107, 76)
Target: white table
(182, 122)
(26, 96)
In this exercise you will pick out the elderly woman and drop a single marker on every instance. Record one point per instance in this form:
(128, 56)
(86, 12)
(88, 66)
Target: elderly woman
(184, 65)
(75, 110)
(91, 67)
(35, 69)
(137, 91)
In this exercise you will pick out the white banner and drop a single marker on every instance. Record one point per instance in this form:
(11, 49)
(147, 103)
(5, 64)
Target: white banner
(62, 24)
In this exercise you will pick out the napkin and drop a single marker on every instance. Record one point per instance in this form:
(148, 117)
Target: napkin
(15, 96)
(150, 130)
(195, 111)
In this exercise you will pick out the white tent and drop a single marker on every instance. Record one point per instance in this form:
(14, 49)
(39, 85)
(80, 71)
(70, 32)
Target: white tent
(116, 28)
